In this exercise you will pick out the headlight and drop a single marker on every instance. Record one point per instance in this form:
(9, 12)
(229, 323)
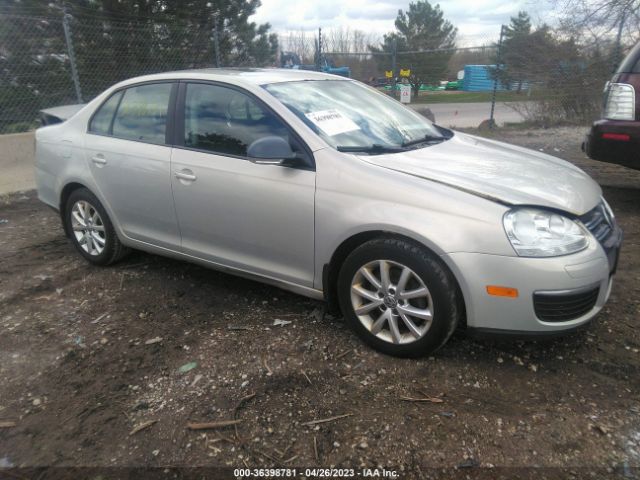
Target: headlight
(538, 233)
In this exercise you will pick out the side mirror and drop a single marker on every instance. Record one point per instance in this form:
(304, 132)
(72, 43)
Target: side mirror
(271, 150)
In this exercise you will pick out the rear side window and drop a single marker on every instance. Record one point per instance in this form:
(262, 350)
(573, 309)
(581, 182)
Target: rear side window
(226, 121)
(101, 121)
(142, 114)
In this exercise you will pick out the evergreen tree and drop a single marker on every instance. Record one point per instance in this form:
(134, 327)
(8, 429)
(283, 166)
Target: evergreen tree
(516, 50)
(118, 39)
(421, 28)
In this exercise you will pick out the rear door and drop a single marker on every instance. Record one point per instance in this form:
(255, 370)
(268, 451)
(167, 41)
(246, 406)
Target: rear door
(130, 159)
(232, 211)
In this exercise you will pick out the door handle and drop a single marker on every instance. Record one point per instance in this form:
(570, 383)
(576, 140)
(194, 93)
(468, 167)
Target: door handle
(186, 175)
(99, 160)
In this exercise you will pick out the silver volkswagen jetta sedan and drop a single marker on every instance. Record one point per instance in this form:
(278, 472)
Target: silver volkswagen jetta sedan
(324, 186)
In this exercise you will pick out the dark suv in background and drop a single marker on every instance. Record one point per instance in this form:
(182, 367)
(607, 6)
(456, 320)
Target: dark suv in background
(616, 137)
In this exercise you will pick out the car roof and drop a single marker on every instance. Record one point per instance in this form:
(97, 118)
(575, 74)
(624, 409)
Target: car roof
(631, 62)
(239, 76)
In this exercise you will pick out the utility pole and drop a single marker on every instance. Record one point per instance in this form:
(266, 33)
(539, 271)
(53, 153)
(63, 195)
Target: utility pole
(319, 51)
(394, 54)
(495, 78)
(216, 44)
(70, 51)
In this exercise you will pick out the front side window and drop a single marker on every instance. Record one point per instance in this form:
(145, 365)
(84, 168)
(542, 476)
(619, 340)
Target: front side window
(142, 114)
(226, 121)
(101, 121)
(347, 114)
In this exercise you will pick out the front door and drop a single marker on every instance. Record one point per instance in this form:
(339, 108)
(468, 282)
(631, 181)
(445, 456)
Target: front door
(232, 211)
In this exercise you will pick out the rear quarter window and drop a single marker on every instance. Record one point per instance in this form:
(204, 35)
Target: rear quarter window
(101, 121)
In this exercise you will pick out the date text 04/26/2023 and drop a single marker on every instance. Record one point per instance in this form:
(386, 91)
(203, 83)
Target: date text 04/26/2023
(315, 473)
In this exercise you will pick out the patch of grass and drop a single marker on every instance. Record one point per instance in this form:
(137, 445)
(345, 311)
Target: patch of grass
(526, 127)
(543, 124)
(468, 97)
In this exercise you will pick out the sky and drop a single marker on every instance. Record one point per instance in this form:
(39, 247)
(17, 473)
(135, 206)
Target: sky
(478, 21)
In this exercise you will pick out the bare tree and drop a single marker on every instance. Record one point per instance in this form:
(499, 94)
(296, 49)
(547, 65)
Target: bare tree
(602, 19)
(300, 42)
(341, 46)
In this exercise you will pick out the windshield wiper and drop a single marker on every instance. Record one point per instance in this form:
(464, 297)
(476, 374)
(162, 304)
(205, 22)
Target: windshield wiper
(425, 139)
(374, 148)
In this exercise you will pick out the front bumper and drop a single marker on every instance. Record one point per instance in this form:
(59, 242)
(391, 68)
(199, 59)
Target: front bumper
(614, 149)
(589, 270)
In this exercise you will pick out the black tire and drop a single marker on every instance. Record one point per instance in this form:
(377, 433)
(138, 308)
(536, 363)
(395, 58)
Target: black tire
(447, 308)
(113, 250)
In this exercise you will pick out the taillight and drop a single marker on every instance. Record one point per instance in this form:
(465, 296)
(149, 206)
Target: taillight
(623, 137)
(620, 103)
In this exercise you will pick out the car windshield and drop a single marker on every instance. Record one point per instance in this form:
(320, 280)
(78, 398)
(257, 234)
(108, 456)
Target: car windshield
(351, 116)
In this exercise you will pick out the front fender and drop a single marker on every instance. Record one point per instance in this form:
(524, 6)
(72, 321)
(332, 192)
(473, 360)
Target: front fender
(354, 197)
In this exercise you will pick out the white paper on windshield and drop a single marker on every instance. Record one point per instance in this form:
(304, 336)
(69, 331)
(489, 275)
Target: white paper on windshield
(332, 122)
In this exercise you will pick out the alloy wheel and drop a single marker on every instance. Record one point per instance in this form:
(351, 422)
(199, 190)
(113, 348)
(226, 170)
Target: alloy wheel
(392, 301)
(88, 228)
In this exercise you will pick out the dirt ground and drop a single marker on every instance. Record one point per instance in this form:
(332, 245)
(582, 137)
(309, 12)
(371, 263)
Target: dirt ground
(88, 354)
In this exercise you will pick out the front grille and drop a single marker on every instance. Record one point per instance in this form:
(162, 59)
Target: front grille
(562, 307)
(603, 226)
(598, 222)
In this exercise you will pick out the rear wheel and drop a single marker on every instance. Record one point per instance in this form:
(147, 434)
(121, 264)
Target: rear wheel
(398, 297)
(91, 230)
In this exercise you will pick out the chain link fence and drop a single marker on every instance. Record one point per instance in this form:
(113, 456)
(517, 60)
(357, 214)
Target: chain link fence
(432, 68)
(63, 59)
(545, 87)
(34, 69)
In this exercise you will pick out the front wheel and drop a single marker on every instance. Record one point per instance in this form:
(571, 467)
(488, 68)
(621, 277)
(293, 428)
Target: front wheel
(399, 298)
(91, 230)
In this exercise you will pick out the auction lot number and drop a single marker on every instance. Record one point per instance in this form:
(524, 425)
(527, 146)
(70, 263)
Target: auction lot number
(313, 473)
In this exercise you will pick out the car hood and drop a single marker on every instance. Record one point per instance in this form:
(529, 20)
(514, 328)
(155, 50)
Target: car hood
(498, 171)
